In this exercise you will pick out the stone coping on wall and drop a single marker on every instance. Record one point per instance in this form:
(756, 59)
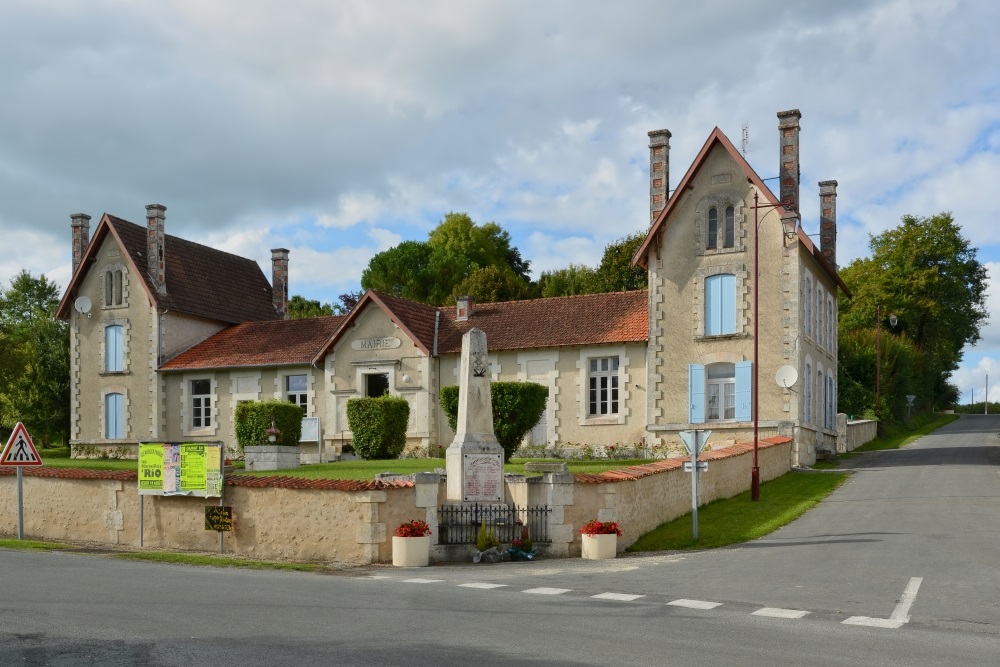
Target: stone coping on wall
(636, 472)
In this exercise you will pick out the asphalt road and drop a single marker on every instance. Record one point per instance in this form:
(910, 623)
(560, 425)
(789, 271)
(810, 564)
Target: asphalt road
(907, 552)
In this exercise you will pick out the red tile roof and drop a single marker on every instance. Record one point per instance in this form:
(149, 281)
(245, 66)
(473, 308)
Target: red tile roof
(273, 343)
(200, 280)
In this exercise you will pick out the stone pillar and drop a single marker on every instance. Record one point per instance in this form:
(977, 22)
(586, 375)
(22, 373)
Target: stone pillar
(279, 281)
(659, 172)
(475, 459)
(559, 495)
(842, 433)
(828, 221)
(371, 533)
(81, 237)
(788, 167)
(155, 250)
(426, 485)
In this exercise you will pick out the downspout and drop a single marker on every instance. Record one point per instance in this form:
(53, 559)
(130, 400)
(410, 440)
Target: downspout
(437, 418)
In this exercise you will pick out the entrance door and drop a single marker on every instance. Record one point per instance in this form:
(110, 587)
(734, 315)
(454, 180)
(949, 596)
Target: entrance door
(376, 384)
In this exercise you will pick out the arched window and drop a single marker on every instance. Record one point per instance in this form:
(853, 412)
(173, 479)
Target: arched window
(713, 228)
(118, 287)
(808, 300)
(821, 396)
(829, 324)
(730, 231)
(819, 315)
(109, 288)
(808, 395)
(831, 402)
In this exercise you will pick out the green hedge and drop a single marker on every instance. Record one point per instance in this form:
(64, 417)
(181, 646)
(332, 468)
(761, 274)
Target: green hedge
(517, 407)
(378, 425)
(254, 418)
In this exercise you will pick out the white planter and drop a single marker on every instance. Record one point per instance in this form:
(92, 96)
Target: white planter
(411, 551)
(600, 547)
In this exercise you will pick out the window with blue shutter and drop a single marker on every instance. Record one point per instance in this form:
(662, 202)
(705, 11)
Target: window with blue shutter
(114, 348)
(808, 303)
(696, 393)
(720, 304)
(808, 395)
(114, 416)
(744, 391)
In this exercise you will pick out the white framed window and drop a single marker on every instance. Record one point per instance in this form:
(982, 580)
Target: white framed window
(201, 403)
(114, 348)
(114, 287)
(720, 304)
(114, 416)
(297, 390)
(713, 229)
(720, 400)
(720, 392)
(602, 387)
(831, 403)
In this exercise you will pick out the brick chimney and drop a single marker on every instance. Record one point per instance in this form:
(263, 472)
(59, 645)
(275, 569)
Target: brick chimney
(463, 308)
(155, 251)
(659, 171)
(788, 130)
(81, 237)
(279, 281)
(828, 221)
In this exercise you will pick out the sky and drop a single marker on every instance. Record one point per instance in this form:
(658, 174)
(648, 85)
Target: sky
(338, 128)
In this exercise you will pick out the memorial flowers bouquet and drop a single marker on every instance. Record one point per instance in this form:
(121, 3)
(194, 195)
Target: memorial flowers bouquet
(600, 528)
(413, 528)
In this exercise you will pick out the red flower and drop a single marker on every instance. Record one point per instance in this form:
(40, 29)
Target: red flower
(413, 528)
(600, 528)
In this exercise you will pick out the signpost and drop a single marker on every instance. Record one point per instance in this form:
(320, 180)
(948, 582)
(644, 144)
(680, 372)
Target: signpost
(695, 442)
(20, 451)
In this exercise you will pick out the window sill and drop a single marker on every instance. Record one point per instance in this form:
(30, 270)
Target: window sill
(602, 421)
(113, 373)
(730, 336)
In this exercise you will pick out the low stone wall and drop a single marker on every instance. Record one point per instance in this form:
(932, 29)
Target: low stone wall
(352, 522)
(853, 434)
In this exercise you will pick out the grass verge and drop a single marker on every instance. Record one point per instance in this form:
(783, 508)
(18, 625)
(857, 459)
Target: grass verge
(902, 437)
(33, 545)
(738, 519)
(217, 561)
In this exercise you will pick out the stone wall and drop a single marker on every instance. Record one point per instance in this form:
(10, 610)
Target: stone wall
(853, 434)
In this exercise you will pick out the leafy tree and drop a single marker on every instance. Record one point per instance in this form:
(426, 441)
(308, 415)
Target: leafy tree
(347, 302)
(573, 280)
(402, 271)
(481, 245)
(492, 284)
(927, 274)
(616, 273)
(300, 308)
(34, 359)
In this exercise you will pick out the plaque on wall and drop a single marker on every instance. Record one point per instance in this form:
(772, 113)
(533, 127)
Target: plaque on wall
(385, 343)
(483, 478)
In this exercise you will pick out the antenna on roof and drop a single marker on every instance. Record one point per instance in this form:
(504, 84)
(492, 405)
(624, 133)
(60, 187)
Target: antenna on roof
(745, 143)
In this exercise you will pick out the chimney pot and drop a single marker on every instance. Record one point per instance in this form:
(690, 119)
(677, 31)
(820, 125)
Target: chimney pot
(463, 308)
(788, 161)
(659, 172)
(279, 281)
(828, 221)
(155, 250)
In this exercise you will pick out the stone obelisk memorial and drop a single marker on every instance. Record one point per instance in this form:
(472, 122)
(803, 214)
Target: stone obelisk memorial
(474, 460)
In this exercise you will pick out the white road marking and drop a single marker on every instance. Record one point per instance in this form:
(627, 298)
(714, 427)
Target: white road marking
(900, 615)
(486, 586)
(778, 612)
(620, 597)
(380, 576)
(547, 591)
(695, 604)
(422, 581)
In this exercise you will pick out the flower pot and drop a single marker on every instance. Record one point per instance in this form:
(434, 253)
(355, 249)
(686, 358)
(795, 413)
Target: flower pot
(411, 551)
(600, 547)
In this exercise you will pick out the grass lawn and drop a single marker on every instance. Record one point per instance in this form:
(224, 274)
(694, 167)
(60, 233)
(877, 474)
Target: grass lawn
(739, 519)
(216, 561)
(33, 545)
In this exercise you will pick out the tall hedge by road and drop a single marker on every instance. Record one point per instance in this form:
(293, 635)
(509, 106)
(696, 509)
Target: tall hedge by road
(253, 419)
(517, 407)
(378, 425)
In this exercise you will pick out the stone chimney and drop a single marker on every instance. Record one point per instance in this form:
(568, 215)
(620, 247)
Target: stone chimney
(155, 251)
(659, 172)
(279, 281)
(828, 221)
(81, 237)
(463, 308)
(788, 130)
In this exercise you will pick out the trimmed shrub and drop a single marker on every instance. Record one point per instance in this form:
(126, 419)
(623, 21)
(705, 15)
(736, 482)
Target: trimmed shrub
(253, 419)
(517, 407)
(378, 425)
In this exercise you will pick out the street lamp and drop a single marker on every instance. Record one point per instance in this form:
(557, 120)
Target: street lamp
(878, 357)
(789, 227)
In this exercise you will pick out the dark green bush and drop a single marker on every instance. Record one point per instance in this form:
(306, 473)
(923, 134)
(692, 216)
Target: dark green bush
(378, 425)
(253, 419)
(517, 407)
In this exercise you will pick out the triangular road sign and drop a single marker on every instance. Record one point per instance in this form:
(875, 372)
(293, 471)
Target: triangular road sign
(20, 451)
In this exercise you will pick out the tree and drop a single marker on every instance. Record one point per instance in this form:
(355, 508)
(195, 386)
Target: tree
(927, 274)
(481, 245)
(616, 273)
(573, 280)
(34, 362)
(492, 284)
(299, 308)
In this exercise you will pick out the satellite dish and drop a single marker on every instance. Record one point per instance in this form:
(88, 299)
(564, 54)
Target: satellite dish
(83, 305)
(786, 376)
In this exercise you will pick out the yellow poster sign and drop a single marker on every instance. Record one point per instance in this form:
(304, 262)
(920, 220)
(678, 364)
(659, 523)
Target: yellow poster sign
(186, 469)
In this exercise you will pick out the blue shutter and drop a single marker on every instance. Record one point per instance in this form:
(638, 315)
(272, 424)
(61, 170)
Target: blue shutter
(114, 416)
(744, 391)
(114, 348)
(713, 306)
(728, 303)
(696, 393)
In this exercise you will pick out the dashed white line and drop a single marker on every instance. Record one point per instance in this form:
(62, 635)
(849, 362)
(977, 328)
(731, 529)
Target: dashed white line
(620, 597)
(547, 591)
(695, 604)
(484, 586)
(422, 581)
(380, 576)
(900, 615)
(873, 622)
(778, 612)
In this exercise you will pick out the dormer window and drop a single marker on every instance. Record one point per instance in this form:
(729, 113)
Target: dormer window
(728, 230)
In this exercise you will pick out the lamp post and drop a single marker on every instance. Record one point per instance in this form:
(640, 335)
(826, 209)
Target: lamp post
(789, 230)
(878, 357)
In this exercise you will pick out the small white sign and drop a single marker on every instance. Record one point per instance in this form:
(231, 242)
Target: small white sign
(310, 429)
(702, 466)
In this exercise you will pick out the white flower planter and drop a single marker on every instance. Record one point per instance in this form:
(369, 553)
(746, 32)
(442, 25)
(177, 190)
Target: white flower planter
(411, 551)
(600, 547)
